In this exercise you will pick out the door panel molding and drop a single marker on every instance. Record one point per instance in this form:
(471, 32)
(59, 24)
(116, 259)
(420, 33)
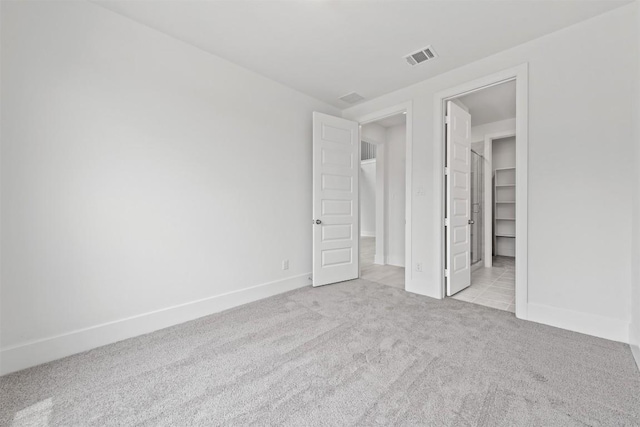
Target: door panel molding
(458, 242)
(336, 221)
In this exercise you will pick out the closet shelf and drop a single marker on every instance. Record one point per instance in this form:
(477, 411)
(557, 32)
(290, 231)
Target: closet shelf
(504, 210)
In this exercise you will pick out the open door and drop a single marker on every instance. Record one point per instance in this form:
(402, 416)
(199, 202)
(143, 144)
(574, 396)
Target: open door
(336, 168)
(458, 215)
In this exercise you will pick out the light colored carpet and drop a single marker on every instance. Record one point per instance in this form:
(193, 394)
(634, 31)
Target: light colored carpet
(354, 353)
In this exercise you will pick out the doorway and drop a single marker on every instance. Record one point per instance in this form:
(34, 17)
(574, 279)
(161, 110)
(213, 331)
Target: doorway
(336, 196)
(492, 265)
(382, 200)
(496, 188)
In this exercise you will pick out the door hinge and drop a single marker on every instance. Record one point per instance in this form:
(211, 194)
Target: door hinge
(446, 272)
(446, 222)
(446, 170)
(447, 120)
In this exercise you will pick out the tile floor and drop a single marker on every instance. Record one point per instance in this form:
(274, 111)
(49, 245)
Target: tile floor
(494, 286)
(389, 275)
(491, 287)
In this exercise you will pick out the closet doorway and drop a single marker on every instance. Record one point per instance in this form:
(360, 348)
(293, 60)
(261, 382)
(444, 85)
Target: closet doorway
(481, 198)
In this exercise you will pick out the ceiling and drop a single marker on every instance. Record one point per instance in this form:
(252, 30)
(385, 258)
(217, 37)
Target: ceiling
(327, 49)
(491, 104)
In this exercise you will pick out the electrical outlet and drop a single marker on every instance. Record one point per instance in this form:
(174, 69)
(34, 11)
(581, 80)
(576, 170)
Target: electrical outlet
(285, 264)
(419, 266)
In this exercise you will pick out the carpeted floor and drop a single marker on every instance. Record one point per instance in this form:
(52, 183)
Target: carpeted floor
(354, 353)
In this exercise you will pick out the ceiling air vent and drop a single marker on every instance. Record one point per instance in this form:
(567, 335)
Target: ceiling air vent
(421, 56)
(351, 98)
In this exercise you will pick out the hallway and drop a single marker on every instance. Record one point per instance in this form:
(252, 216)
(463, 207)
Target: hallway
(389, 275)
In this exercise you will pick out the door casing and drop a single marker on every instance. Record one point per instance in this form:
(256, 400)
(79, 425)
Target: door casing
(520, 75)
(381, 114)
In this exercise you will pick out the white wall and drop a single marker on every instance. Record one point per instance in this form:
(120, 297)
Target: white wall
(634, 332)
(479, 132)
(394, 199)
(396, 194)
(580, 127)
(373, 133)
(368, 198)
(504, 153)
(138, 173)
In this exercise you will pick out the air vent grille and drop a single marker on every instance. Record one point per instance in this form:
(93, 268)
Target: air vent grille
(421, 56)
(351, 98)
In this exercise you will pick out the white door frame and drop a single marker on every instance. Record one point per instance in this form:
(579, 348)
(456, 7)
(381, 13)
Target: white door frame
(381, 114)
(488, 192)
(381, 251)
(520, 75)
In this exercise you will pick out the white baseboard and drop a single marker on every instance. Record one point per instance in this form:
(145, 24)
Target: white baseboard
(395, 260)
(379, 259)
(367, 233)
(477, 266)
(590, 324)
(25, 355)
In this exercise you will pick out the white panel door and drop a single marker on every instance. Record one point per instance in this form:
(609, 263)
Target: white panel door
(336, 163)
(458, 213)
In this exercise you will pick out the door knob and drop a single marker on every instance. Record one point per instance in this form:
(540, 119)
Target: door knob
(471, 221)
(318, 221)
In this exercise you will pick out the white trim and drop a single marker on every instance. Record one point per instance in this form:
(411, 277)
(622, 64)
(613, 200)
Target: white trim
(522, 190)
(32, 353)
(368, 161)
(590, 324)
(477, 266)
(381, 114)
(488, 192)
(488, 204)
(367, 233)
(395, 261)
(635, 350)
(634, 343)
(520, 74)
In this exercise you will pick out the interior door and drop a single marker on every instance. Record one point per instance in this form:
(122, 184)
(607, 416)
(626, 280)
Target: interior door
(336, 168)
(458, 213)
